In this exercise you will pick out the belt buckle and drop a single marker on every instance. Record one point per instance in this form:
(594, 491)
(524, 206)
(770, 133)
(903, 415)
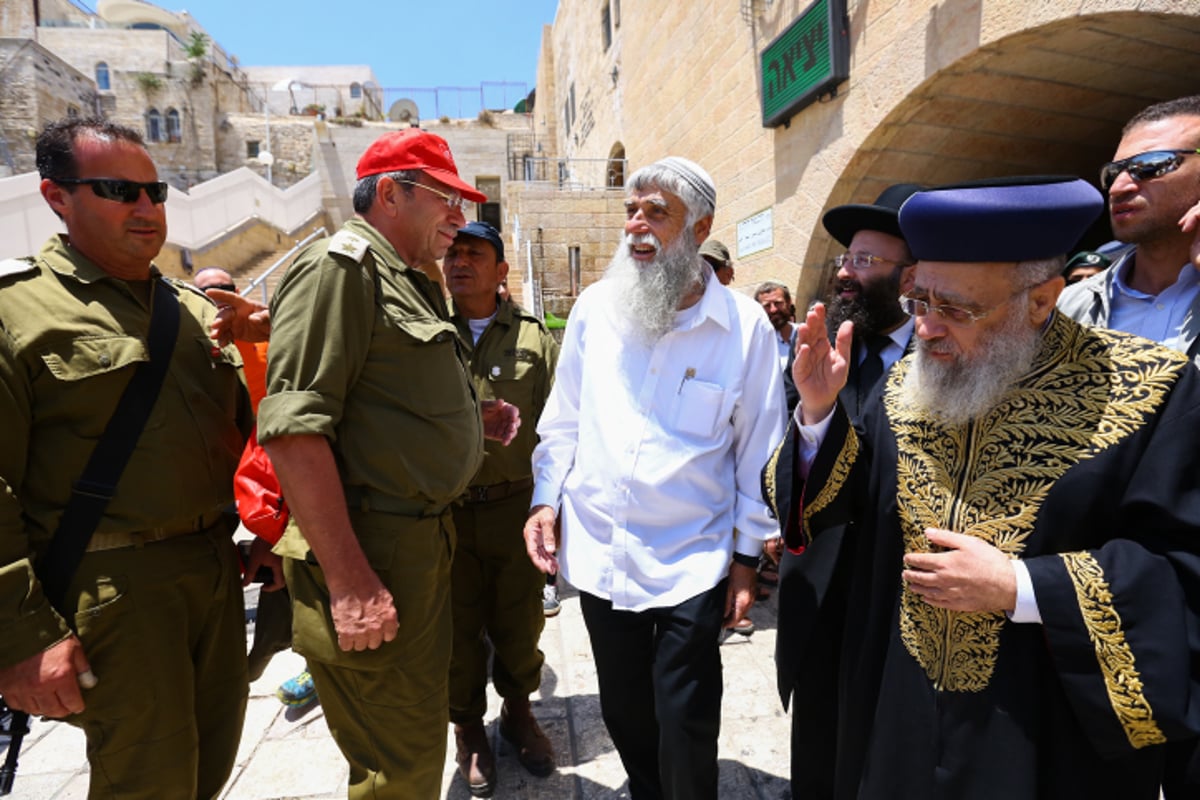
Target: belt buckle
(478, 494)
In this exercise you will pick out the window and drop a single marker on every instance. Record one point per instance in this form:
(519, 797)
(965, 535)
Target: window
(574, 269)
(616, 166)
(569, 109)
(355, 91)
(489, 210)
(606, 25)
(154, 129)
(174, 128)
(252, 148)
(102, 79)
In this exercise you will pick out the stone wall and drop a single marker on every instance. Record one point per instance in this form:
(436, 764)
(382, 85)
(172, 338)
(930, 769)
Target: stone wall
(939, 91)
(36, 87)
(291, 144)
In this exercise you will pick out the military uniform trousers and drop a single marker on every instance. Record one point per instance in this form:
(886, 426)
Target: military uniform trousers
(497, 598)
(385, 707)
(163, 627)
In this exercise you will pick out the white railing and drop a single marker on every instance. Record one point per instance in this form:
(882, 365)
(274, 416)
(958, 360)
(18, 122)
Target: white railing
(260, 283)
(194, 219)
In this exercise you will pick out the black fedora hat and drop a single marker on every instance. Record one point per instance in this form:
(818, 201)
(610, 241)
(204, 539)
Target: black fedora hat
(843, 222)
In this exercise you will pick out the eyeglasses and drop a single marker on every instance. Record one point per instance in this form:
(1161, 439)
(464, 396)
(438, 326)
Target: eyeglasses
(224, 287)
(952, 315)
(120, 191)
(455, 200)
(1143, 166)
(861, 262)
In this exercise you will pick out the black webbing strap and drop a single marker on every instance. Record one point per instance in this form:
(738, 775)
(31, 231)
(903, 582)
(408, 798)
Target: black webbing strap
(95, 488)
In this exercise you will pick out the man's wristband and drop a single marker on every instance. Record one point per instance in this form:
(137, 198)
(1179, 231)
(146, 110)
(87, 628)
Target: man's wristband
(745, 560)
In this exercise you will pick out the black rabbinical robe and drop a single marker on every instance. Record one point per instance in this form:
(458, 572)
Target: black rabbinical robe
(1088, 471)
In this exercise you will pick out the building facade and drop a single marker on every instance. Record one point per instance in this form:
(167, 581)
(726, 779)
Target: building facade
(937, 92)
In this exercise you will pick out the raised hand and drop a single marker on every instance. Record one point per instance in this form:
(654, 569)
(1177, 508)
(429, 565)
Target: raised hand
(820, 370)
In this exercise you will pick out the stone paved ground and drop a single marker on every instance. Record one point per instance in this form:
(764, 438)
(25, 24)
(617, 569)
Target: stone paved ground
(285, 754)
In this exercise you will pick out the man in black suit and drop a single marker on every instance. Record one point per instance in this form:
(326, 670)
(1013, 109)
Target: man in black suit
(875, 270)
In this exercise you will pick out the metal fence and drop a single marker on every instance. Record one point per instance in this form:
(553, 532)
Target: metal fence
(568, 173)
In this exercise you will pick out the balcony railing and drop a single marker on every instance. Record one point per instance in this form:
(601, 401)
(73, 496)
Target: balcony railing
(568, 173)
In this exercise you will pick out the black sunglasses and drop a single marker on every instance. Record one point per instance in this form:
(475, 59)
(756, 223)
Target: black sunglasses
(120, 190)
(224, 287)
(1143, 166)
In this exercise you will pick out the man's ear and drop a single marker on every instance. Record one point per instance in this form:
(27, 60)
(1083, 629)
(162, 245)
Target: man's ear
(702, 229)
(908, 277)
(1043, 297)
(54, 195)
(389, 194)
(501, 271)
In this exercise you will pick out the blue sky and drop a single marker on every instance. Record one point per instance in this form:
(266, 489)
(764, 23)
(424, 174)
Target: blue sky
(409, 43)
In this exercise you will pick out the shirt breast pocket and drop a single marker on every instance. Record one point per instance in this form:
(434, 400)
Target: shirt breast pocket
(698, 407)
(424, 357)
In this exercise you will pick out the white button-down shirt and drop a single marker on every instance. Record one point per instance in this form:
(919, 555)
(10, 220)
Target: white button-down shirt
(655, 452)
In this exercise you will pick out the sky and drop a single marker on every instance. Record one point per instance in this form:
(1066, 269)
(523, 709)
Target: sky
(409, 43)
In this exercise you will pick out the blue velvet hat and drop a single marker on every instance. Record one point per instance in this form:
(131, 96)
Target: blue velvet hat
(1000, 219)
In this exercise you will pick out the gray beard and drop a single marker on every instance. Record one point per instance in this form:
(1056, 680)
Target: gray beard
(958, 392)
(648, 296)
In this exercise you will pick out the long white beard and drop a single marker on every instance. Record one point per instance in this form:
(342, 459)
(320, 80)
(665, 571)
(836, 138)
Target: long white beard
(648, 295)
(967, 389)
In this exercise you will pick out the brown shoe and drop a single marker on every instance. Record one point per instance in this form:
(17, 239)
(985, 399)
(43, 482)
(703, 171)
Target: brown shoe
(476, 763)
(518, 726)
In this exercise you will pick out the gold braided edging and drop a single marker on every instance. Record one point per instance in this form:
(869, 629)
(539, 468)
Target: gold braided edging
(837, 477)
(1121, 678)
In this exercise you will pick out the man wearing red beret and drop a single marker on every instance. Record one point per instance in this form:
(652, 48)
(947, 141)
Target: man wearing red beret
(374, 429)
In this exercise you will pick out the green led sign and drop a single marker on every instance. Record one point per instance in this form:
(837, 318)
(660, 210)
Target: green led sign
(807, 60)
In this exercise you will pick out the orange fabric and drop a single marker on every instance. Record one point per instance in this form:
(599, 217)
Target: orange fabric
(254, 357)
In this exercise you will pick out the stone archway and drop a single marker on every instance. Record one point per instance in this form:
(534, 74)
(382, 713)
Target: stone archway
(1045, 100)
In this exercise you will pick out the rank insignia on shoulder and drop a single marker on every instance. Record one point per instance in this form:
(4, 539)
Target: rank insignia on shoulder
(15, 266)
(348, 243)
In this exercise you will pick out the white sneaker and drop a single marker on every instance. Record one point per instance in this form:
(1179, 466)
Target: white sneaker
(550, 604)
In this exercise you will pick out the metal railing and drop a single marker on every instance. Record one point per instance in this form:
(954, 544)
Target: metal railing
(569, 173)
(261, 280)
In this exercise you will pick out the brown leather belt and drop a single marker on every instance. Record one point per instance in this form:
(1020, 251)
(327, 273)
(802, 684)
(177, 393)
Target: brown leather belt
(113, 541)
(497, 491)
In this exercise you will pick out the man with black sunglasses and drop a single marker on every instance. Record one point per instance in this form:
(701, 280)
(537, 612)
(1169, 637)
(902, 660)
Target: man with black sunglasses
(154, 609)
(1153, 289)
(1153, 186)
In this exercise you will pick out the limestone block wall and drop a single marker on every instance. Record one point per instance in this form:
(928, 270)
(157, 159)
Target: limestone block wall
(939, 91)
(291, 144)
(36, 87)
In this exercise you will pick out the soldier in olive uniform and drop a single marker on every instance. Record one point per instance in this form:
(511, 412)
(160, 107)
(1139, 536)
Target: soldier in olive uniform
(496, 590)
(373, 426)
(155, 608)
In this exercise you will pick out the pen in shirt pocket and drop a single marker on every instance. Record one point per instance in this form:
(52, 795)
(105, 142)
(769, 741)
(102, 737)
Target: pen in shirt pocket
(688, 374)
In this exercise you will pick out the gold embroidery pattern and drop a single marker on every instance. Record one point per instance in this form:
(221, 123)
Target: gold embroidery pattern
(1086, 392)
(837, 477)
(770, 489)
(1121, 676)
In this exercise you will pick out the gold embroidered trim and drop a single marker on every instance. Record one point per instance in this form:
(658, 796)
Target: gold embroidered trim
(1121, 676)
(770, 490)
(1087, 391)
(837, 477)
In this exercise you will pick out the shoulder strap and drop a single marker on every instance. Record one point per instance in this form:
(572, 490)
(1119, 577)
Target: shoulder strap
(96, 487)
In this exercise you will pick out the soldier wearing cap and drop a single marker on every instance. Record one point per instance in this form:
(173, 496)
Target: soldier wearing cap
(717, 256)
(373, 425)
(154, 609)
(496, 591)
(1009, 614)
(1084, 264)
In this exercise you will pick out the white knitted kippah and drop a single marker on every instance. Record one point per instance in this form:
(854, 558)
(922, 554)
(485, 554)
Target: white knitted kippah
(694, 175)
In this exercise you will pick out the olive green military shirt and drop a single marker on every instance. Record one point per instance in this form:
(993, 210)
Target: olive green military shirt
(71, 337)
(513, 360)
(364, 354)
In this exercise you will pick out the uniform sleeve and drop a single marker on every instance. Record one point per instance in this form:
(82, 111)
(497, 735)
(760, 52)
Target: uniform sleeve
(322, 317)
(757, 426)
(28, 624)
(1122, 619)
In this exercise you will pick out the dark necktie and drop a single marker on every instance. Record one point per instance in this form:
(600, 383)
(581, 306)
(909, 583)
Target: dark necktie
(871, 369)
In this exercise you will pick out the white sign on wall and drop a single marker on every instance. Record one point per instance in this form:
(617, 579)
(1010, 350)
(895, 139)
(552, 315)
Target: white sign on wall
(755, 233)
